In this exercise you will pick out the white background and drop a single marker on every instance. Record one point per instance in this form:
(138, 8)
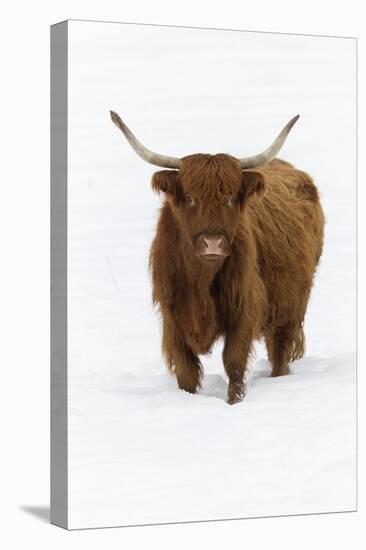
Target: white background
(25, 231)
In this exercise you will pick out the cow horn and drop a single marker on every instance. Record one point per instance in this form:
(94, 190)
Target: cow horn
(151, 157)
(271, 152)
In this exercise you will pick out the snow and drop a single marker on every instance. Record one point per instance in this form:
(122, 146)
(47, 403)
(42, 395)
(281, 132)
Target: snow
(286, 449)
(140, 450)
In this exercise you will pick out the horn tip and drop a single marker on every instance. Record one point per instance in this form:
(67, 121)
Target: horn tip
(292, 122)
(114, 116)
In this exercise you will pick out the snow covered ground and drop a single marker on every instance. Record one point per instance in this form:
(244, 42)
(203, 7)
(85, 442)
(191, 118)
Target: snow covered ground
(140, 450)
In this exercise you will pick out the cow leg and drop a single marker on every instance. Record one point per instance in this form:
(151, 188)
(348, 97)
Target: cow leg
(235, 357)
(182, 361)
(284, 344)
(187, 369)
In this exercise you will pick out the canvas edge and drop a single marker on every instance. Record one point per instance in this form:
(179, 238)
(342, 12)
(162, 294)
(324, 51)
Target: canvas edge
(59, 402)
(59, 447)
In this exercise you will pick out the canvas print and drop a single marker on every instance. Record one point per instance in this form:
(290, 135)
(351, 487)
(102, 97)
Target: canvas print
(203, 292)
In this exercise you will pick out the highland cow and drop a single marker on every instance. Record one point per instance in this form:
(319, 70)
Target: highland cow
(236, 248)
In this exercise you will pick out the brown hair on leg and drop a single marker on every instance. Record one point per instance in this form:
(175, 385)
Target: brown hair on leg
(181, 360)
(235, 356)
(284, 344)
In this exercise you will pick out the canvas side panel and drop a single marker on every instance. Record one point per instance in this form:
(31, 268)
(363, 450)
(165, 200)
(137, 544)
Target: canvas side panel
(59, 274)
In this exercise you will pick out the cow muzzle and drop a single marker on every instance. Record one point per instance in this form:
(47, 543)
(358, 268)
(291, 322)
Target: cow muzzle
(212, 247)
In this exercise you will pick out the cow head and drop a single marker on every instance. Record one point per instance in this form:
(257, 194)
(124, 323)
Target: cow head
(207, 193)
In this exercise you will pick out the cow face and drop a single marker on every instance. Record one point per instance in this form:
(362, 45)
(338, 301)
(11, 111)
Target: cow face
(208, 195)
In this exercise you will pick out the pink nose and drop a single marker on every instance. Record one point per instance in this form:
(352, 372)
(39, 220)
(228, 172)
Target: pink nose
(213, 245)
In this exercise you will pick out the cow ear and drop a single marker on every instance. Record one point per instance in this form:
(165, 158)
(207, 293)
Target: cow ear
(253, 183)
(167, 181)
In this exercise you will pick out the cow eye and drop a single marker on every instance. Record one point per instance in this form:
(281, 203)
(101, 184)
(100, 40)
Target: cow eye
(189, 199)
(232, 200)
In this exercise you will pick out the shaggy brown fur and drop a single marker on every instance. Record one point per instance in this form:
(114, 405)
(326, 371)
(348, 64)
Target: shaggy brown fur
(272, 223)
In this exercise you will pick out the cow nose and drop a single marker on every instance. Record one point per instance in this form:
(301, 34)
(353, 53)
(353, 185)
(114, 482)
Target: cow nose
(212, 242)
(213, 245)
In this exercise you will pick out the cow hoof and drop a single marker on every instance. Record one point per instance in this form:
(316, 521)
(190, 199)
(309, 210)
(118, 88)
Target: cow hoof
(234, 400)
(188, 388)
(280, 372)
(235, 394)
